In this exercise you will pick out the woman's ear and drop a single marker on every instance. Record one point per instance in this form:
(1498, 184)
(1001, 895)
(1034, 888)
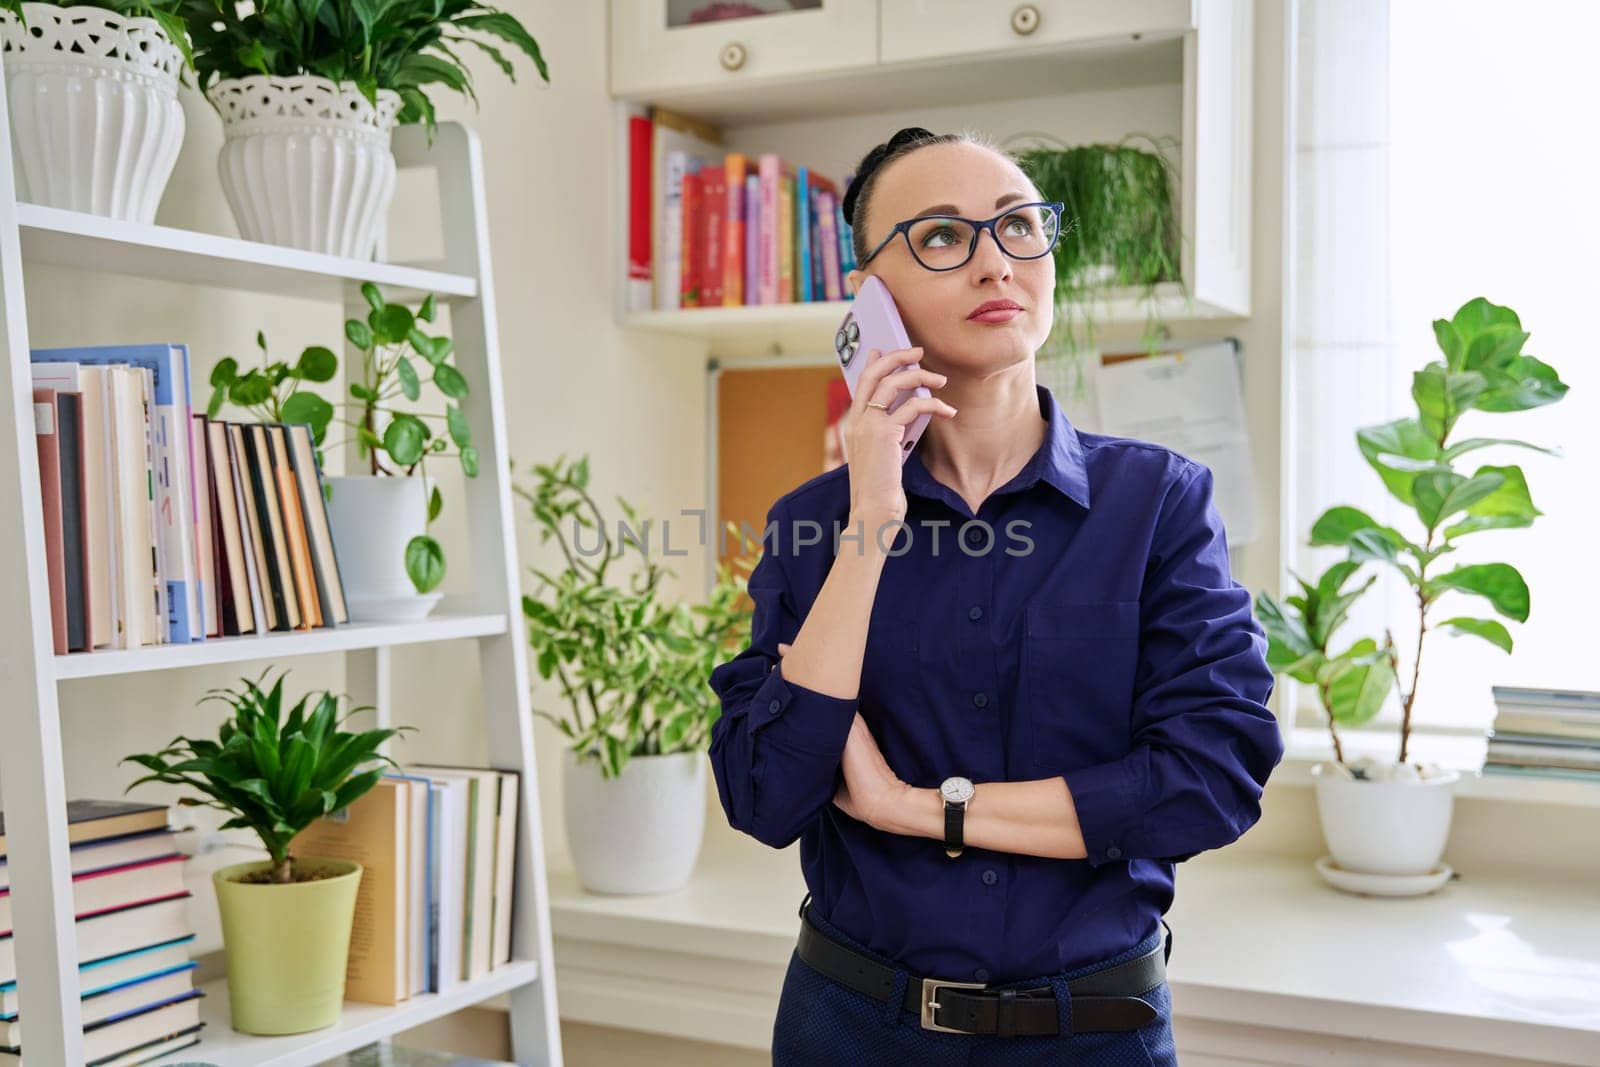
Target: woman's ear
(853, 280)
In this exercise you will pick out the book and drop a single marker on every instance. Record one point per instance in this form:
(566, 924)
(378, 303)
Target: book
(294, 528)
(477, 929)
(98, 976)
(163, 987)
(314, 506)
(113, 933)
(168, 393)
(261, 601)
(97, 892)
(204, 549)
(234, 603)
(94, 820)
(375, 832)
(46, 422)
(110, 1038)
(263, 486)
(134, 548)
(103, 854)
(419, 961)
(505, 860)
(93, 385)
(1563, 699)
(448, 920)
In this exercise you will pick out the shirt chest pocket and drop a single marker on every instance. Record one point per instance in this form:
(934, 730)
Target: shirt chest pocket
(1076, 681)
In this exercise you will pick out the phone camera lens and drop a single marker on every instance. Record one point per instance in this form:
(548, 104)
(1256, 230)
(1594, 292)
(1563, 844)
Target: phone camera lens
(854, 331)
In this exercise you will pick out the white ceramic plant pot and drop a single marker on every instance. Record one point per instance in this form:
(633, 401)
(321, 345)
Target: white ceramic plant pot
(306, 161)
(93, 101)
(639, 832)
(373, 518)
(1385, 827)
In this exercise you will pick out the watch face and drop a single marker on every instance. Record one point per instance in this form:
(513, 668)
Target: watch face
(956, 790)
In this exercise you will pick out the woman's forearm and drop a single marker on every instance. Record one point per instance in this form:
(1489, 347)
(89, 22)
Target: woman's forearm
(1034, 818)
(828, 652)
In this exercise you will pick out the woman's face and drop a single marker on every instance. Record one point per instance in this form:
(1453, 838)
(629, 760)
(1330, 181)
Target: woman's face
(967, 180)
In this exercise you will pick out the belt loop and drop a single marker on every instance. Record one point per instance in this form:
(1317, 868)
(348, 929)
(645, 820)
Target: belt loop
(893, 1009)
(803, 904)
(1168, 955)
(1063, 1006)
(1005, 1014)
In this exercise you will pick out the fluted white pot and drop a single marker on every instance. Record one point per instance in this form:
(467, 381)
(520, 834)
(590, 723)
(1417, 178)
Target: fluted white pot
(305, 161)
(93, 106)
(373, 518)
(639, 832)
(1399, 826)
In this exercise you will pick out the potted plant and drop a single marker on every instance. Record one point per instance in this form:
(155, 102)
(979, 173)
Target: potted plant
(92, 96)
(1120, 231)
(633, 671)
(388, 560)
(1387, 818)
(285, 920)
(309, 91)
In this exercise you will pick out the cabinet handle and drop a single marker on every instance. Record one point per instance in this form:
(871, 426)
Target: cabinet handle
(732, 56)
(1024, 20)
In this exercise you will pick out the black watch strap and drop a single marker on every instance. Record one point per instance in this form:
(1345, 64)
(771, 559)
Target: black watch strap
(953, 815)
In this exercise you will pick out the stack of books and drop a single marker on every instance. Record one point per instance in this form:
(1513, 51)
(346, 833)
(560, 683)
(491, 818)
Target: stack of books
(133, 937)
(438, 845)
(162, 526)
(711, 228)
(1553, 733)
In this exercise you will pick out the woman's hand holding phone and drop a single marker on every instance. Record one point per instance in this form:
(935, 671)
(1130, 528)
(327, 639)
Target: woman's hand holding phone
(873, 435)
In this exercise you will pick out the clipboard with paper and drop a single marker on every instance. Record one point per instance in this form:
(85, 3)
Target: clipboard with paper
(1188, 397)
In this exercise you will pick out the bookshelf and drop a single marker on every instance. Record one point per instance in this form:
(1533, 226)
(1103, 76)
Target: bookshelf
(31, 763)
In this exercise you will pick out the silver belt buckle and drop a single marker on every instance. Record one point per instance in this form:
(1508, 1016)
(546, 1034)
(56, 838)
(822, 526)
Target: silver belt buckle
(930, 987)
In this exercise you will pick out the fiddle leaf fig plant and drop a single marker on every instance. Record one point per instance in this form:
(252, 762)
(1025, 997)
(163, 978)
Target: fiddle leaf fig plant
(272, 772)
(398, 358)
(631, 667)
(1484, 369)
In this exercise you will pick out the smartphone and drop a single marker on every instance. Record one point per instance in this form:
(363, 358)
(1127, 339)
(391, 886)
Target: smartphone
(873, 322)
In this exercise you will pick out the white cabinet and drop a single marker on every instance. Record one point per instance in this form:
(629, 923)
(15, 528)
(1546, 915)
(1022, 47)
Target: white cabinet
(655, 48)
(938, 29)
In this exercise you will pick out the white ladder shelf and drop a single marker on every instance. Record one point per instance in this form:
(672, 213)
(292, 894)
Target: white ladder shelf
(31, 767)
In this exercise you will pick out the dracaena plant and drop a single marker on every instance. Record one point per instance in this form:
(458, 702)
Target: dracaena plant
(631, 667)
(1485, 370)
(273, 773)
(404, 45)
(390, 441)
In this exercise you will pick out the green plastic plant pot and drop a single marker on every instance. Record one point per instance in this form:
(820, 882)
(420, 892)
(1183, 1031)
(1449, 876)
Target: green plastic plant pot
(287, 946)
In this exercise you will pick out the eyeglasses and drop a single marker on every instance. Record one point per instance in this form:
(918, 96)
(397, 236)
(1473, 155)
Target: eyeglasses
(946, 242)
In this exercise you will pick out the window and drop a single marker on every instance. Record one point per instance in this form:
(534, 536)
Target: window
(1440, 152)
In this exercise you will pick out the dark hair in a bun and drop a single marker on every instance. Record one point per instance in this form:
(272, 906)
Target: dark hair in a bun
(905, 141)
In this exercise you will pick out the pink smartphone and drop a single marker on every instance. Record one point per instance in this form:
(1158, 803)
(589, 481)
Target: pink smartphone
(874, 323)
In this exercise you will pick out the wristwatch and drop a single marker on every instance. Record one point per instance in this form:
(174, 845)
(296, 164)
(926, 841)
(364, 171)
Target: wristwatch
(957, 792)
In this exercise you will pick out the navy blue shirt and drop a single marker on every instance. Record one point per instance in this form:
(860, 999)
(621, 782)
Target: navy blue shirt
(1084, 624)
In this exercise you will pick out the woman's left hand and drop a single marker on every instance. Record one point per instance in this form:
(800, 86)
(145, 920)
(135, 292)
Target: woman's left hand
(869, 785)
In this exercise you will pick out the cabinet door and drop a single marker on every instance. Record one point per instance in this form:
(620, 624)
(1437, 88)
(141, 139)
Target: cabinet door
(939, 29)
(667, 45)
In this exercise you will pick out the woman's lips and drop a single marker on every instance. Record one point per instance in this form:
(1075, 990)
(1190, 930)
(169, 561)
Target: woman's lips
(996, 315)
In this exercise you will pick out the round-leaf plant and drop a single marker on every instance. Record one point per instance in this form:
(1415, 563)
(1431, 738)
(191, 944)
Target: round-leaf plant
(390, 440)
(271, 772)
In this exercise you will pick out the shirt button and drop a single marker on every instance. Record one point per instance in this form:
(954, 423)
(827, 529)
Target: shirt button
(974, 536)
(989, 877)
(1114, 852)
(981, 974)
(774, 706)
(980, 700)
(975, 613)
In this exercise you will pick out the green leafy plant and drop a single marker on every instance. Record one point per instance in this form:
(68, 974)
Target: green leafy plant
(166, 13)
(1119, 231)
(272, 773)
(632, 668)
(1484, 369)
(392, 442)
(403, 45)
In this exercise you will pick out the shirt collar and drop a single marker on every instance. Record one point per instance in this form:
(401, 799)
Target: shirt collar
(1058, 462)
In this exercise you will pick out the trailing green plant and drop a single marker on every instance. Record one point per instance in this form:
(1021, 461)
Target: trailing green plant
(403, 45)
(1484, 369)
(632, 668)
(273, 773)
(1119, 231)
(166, 13)
(391, 441)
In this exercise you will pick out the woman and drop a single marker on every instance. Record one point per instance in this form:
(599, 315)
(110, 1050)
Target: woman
(996, 693)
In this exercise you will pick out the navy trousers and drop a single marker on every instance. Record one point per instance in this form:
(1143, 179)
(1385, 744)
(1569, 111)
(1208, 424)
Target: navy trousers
(821, 1023)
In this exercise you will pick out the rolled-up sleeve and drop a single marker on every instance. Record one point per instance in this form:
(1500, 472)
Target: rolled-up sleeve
(776, 747)
(1204, 741)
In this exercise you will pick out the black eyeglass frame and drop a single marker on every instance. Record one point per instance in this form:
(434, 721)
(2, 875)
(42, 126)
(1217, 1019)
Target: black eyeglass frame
(978, 226)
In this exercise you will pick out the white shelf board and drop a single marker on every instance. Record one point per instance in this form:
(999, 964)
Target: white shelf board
(360, 1024)
(353, 635)
(807, 328)
(90, 242)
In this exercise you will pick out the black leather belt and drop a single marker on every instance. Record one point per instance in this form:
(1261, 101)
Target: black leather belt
(1104, 1000)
